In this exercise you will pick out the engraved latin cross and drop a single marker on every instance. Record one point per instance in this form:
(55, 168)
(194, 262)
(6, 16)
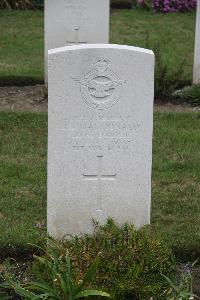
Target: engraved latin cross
(76, 39)
(99, 177)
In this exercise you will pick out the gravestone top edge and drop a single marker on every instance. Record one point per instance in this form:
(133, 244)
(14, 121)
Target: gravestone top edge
(99, 46)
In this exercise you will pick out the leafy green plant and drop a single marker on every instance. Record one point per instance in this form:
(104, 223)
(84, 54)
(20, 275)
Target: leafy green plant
(60, 284)
(131, 260)
(189, 94)
(182, 286)
(166, 81)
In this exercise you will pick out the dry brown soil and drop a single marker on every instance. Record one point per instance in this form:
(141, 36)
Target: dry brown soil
(34, 98)
(27, 98)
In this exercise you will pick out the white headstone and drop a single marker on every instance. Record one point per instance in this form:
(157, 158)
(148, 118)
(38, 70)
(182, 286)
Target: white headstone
(75, 22)
(100, 136)
(196, 71)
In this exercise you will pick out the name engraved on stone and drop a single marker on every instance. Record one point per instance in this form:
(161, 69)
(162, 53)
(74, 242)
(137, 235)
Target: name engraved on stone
(99, 177)
(100, 88)
(101, 133)
(76, 9)
(77, 12)
(76, 5)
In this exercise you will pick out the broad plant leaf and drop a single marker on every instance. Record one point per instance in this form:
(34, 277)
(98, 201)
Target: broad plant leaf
(88, 276)
(23, 292)
(36, 286)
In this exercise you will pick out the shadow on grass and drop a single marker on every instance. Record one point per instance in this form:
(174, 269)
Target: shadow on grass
(19, 81)
(20, 253)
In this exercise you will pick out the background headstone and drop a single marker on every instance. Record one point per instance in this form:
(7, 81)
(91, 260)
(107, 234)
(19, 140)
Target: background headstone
(196, 71)
(75, 21)
(100, 136)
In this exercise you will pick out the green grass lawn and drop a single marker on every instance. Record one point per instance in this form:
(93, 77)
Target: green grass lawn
(23, 180)
(176, 181)
(22, 47)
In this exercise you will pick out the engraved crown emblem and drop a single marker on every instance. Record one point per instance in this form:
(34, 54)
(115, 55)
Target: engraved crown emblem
(102, 65)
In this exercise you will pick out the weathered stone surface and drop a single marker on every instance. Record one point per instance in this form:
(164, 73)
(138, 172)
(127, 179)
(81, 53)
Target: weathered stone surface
(100, 136)
(75, 21)
(196, 71)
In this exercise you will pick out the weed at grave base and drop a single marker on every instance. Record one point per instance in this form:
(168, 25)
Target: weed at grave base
(133, 264)
(131, 260)
(181, 287)
(60, 283)
(167, 80)
(189, 94)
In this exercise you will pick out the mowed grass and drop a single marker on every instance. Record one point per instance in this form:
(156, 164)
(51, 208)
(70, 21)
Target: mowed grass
(176, 181)
(173, 33)
(22, 45)
(23, 140)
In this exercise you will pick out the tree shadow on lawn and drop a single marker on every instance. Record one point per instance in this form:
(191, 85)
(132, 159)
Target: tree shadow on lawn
(19, 81)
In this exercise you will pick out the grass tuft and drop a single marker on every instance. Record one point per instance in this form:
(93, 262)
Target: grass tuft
(190, 94)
